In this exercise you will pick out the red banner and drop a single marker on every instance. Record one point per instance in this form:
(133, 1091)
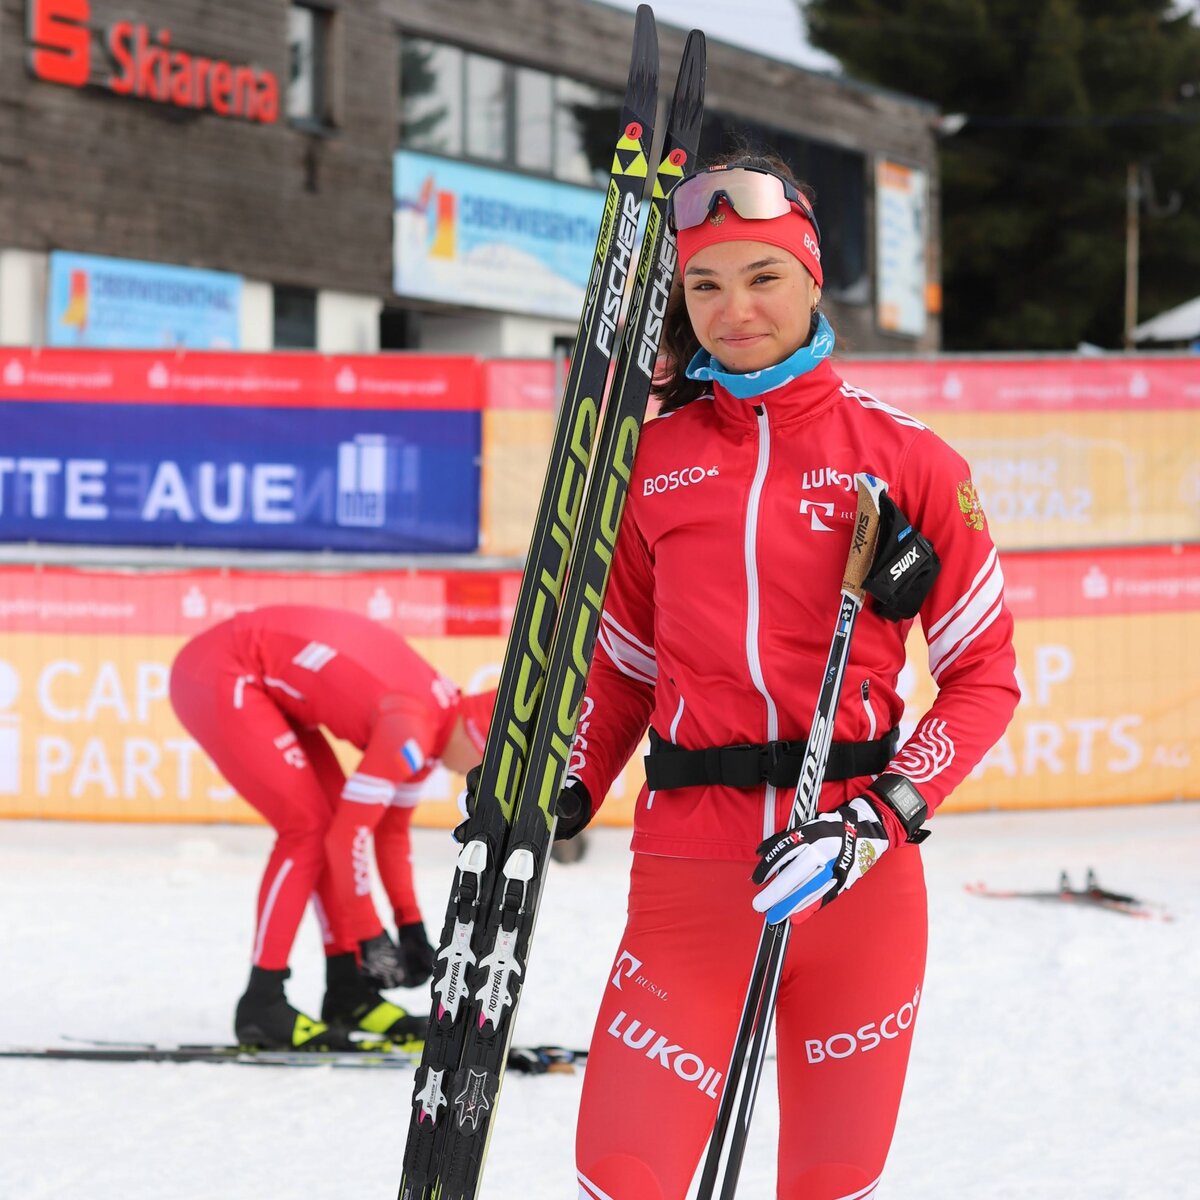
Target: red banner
(1106, 646)
(522, 383)
(1027, 385)
(416, 604)
(1103, 583)
(275, 380)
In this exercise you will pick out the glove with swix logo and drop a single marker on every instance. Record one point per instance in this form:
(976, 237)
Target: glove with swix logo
(905, 566)
(813, 864)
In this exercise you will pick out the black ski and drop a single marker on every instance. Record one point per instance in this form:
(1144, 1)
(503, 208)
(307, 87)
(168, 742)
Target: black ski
(1091, 895)
(507, 934)
(535, 617)
(531, 1060)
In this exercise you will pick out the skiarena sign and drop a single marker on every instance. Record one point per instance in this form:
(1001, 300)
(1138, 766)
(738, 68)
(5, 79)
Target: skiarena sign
(144, 63)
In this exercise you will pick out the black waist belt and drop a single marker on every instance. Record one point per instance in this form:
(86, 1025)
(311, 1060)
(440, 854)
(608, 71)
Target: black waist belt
(746, 766)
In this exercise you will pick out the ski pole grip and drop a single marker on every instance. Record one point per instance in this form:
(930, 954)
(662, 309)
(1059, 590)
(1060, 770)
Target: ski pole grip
(866, 531)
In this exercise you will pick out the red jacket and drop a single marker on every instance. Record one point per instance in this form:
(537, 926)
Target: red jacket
(724, 590)
(364, 683)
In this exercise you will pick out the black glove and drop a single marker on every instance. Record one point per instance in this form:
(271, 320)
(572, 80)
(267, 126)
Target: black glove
(416, 953)
(381, 964)
(574, 810)
(904, 568)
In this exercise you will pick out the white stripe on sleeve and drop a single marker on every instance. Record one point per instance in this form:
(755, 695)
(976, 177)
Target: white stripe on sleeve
(630, 656)
(368, 789)
(972, 615)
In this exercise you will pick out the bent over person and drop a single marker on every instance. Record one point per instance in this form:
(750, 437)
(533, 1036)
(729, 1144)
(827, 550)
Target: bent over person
(716, 630)
(255, 691)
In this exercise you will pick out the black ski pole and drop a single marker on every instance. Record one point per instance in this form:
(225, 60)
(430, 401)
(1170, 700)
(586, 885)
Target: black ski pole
(727, 1144)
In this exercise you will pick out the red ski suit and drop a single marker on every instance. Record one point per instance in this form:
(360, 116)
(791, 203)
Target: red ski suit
(253, 692)
(720, 611)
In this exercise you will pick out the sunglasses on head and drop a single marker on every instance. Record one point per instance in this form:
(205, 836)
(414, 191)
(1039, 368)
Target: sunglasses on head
(754, 193)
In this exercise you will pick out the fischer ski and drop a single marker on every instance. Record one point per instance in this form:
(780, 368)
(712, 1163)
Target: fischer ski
(1091, 895)
(530, 1060)
(498, 882)
(534, 619)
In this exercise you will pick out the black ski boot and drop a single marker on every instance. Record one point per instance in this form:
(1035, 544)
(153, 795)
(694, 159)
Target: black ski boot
(352, 1001)
(266, 1021)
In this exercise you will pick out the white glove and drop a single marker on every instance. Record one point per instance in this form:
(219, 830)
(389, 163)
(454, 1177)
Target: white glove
(819, 860)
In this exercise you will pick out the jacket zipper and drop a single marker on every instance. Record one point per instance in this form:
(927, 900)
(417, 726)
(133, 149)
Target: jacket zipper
(866, 699)
(750, 545)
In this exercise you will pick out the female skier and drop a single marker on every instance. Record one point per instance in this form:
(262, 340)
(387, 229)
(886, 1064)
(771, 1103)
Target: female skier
(720, 611)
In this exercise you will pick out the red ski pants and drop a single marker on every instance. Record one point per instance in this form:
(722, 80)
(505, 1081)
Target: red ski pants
(288, 773)
(846, 1007)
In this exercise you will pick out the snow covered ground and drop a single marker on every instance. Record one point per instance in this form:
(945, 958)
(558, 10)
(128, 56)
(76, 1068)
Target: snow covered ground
(1056, 1054)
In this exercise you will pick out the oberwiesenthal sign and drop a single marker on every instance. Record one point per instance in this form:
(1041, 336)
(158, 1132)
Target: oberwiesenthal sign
(123, 303)
(489, 239)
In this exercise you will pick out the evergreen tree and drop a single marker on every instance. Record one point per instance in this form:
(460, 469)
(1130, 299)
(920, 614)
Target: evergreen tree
(1061, 96)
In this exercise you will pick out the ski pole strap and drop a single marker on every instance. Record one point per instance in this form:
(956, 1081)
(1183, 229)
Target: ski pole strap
(746, 766)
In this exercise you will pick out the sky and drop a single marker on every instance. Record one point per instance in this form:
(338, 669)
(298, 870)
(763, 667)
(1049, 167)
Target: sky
(770, 27)
(1053, 1053)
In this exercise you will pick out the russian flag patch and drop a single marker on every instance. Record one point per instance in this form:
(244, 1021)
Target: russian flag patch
(411, 753)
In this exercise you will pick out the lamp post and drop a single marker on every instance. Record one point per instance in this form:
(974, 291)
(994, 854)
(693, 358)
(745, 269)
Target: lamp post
(1133, 204)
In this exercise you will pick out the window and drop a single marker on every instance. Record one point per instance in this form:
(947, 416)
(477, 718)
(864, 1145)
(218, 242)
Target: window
(308, 54)
(295, 318)
(534, 120)
(840, 176)
(431, 96)
(399, 329)
(585, 121)
(487, 108)
(462, 104)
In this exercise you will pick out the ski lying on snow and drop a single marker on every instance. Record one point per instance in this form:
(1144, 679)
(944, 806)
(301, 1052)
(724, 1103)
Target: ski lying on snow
(529, 1060)
(1091, 895)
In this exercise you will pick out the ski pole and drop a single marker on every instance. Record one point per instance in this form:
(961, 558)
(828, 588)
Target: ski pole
(727, 1145)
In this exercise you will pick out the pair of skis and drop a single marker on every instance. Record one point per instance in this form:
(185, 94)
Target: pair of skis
(485, 940)
(1091, 895)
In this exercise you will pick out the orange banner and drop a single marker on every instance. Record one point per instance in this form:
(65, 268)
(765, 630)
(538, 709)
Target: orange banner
(1064, 452)
(86, 727)
(1108, 646)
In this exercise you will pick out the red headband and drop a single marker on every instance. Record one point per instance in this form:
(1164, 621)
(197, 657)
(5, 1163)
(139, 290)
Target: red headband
(792, 232)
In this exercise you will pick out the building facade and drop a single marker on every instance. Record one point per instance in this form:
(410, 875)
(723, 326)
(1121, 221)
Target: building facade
(393, 174)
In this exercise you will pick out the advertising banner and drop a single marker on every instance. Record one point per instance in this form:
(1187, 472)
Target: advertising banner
(1108, 654)
(1066, 452)
(900, 237)
(117, 302)
(255, 452)
(1063, 451)
(522, 398)
(1108, 646)
(86, 727)
(476, 236)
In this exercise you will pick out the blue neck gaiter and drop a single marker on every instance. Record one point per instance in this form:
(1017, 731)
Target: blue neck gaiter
(757, 383)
